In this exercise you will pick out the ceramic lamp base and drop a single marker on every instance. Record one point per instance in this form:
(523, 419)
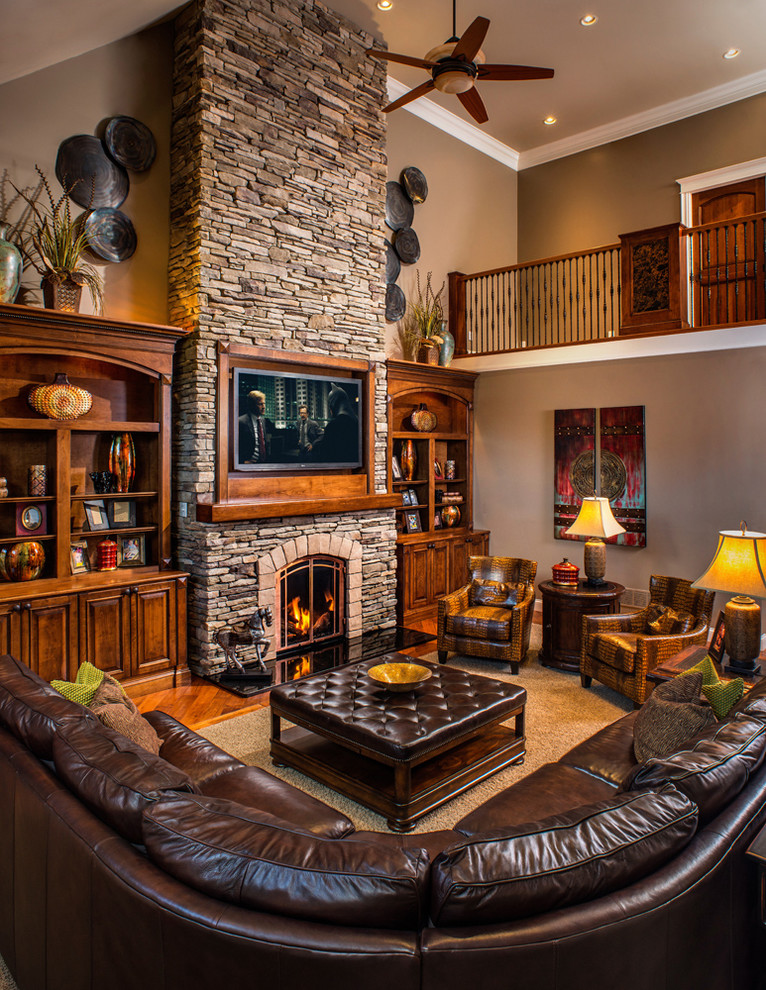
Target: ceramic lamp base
(742, 640)
(594, 561)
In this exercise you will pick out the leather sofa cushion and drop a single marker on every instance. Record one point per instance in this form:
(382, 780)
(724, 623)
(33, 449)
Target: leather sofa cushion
(113, 776)
(241, 856)
(32, 710)
(713, 769)
(551, 790)
(484, 621)
(496, 594)
(563, 860)
(188, 751)
(608, 753)
(262, 791)
(670, 716)
(616, 650)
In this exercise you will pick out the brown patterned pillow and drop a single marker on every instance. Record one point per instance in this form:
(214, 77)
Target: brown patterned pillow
(116, 710)
(497, 594)
(665, 621)
(670, 715)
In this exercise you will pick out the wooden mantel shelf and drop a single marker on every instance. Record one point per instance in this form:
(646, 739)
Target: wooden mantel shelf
(237, 510)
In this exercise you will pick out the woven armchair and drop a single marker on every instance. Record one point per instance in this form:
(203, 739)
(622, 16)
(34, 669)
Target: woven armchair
(619, 651)
(496, 632)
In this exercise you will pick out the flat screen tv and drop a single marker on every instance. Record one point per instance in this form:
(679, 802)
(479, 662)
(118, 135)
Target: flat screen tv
(296, 421)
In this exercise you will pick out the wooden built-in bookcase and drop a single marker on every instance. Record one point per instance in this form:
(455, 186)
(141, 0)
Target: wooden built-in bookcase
(130, 621)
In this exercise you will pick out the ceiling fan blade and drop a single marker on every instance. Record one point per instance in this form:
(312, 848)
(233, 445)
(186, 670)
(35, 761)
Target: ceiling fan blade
(506, 72)
(413, 94)
(419, 63)
(474, 105)
(471, 39)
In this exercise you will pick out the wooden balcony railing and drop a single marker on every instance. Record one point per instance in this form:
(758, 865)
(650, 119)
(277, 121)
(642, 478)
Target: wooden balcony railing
(662, 280)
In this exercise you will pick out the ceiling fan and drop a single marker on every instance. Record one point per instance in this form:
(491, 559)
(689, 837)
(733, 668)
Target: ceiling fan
(456, 65)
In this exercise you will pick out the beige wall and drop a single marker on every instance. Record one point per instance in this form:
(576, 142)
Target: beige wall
(589, 199)
(130, 77)
(468, 221)
(704, 465)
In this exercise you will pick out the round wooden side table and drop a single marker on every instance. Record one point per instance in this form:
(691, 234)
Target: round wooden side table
(563, 609)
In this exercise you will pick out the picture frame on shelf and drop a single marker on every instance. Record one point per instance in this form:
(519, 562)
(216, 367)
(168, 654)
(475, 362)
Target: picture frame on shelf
(121, 513)
(412, 522)
(31, 520)
(396, 469)
(413, 496)
(132, 552)
(716, 648)
(96, 515)
(78, 557)
(437, 520)
(406, 497)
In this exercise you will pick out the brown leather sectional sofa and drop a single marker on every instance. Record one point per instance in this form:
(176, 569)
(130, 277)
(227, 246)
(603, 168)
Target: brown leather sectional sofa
(190, 870)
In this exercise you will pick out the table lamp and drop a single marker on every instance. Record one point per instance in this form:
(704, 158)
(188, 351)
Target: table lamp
(738, 566)
(595, 520)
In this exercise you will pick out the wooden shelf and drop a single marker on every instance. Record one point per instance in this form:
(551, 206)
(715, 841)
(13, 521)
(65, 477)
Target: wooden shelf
(79, 425)
(234, 511)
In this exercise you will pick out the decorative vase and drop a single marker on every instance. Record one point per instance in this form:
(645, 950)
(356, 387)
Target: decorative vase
(566, 574)
(106, 552)
(428, 352)
(10, 268)
(450, 515)
(408, 459)
(423, 420)
(447, 348)
(61, 293)
(37, 479)
(22, 561)
(102, 482)
(61, 399)
(122, 461)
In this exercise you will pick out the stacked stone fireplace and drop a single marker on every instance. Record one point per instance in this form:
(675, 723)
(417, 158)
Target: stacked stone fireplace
(278, 174)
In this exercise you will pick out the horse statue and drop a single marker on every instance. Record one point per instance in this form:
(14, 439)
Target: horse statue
(251, 632)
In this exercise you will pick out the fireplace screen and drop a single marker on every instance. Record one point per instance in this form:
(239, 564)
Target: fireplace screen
(312, 603)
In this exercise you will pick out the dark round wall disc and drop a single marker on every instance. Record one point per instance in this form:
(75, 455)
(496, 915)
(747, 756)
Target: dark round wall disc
(130, 143)
(396, 304)
(407, 245)
(415, 184)
(393, 265)
(89, 175)
(399, 208)
(110, 235)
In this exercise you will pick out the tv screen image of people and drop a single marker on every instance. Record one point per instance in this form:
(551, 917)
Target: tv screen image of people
(293, 421)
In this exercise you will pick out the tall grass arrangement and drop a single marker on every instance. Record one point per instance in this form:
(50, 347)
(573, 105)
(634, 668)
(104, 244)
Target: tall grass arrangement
(423, 318)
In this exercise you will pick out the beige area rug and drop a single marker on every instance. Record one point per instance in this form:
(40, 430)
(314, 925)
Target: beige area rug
(559, 714)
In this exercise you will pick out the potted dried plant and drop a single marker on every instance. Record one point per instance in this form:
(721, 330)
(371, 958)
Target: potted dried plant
(419, 331)
(59, 241)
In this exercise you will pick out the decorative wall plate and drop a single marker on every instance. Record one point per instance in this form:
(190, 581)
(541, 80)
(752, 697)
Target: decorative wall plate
(407, 245)
(130, 143)
(393, 265)
(396, 303)
(110, 235)
(89, 175)
(415, 184)
(399, 208)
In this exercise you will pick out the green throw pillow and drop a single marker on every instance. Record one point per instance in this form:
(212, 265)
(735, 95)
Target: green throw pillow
(724, 695)
(84, 686)
(709, 673)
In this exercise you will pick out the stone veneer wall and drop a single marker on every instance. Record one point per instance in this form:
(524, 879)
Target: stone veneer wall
(278, 174)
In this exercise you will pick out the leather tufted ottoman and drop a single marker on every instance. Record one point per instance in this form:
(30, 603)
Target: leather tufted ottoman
(400, 754)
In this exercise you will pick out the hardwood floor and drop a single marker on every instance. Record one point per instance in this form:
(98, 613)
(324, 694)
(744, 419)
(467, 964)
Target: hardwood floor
(203, 703)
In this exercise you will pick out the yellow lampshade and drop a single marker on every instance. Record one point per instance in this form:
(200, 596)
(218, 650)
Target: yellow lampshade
(738, 565)
(595, 519)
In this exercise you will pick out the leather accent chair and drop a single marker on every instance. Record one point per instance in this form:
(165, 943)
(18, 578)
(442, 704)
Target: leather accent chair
(620, 650)
(491, 616)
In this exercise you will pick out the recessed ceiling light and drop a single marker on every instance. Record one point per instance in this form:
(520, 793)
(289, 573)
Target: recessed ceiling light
(384, 5)
(732, 53)
(549, 120)
(588, 20)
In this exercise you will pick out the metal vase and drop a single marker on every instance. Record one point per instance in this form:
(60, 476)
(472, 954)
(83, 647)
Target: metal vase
(122, 461)
(11, 267)
(408, 459)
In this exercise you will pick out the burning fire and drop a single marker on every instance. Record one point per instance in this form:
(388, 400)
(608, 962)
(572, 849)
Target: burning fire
(301, 617)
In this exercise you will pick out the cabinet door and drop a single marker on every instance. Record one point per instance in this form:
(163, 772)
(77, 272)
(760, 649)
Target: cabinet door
(473, 545)
(10, 629)
(105, 626)
(49, 637)
(440, 569)
(416, 577)
(155, 627)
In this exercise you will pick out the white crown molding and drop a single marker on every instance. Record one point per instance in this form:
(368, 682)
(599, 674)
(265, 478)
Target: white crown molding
(739, 89)
(714, 178)
(455, 126)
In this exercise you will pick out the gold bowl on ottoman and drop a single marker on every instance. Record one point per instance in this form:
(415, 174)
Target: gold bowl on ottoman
(399, 676)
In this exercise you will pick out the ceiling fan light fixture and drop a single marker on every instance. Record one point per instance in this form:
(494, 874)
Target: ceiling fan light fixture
(453, 81)
(731, 53)
(588, 20)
